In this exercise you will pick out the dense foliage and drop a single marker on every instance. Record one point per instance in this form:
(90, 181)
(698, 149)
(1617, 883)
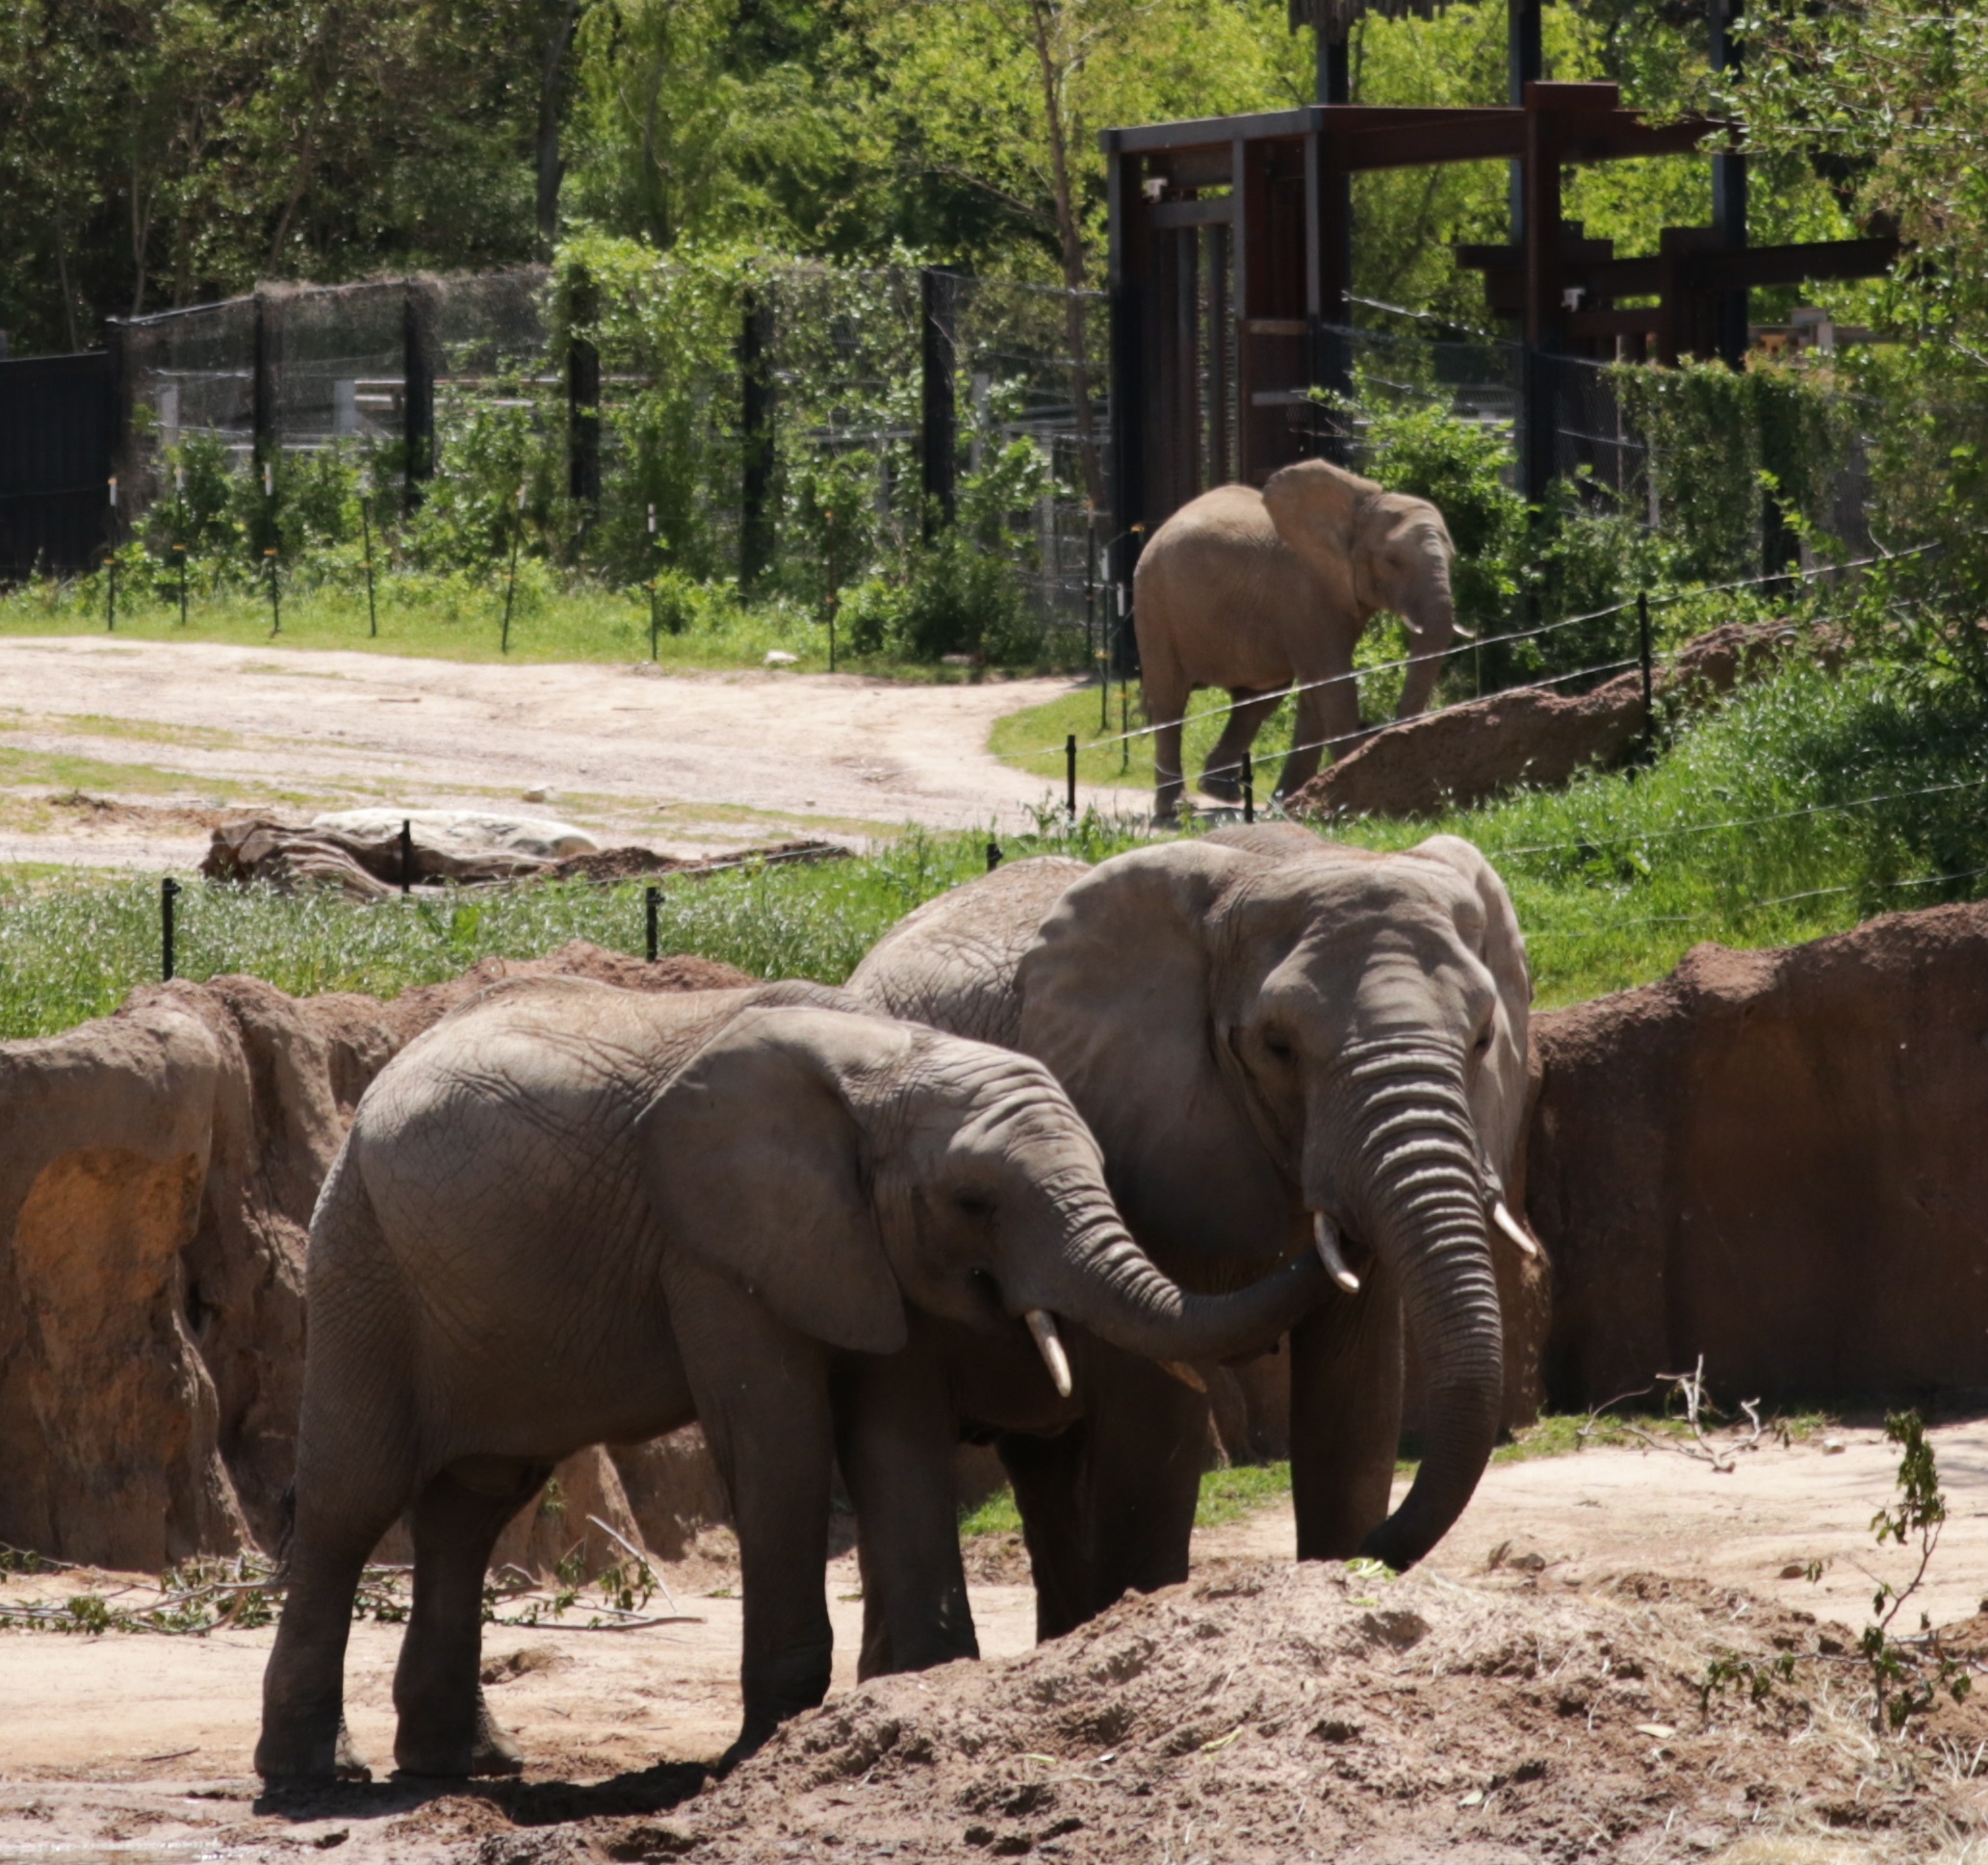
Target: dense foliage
(156, 155)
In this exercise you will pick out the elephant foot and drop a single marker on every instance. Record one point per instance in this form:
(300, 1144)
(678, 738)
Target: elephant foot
(750, 1740)
(284, 1759)
(488, 1752)
(1224, 786)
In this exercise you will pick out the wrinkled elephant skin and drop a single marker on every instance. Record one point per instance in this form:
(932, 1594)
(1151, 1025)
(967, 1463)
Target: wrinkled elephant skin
(570, 1214)
(1250, 591)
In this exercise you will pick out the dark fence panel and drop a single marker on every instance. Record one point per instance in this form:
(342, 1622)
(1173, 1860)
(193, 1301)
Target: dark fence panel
(57, 426)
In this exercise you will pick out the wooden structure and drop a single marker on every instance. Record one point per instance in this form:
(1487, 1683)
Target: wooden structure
(1232, 263)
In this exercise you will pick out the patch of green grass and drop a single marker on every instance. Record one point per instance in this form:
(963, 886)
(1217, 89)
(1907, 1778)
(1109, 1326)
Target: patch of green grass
(458, 617)
(1234, 1494)
(67, 770)
(1618, 875)
(996, 1516)
(1230, 1495)
(1032, 740)
(1566, 1434)
(73, 950)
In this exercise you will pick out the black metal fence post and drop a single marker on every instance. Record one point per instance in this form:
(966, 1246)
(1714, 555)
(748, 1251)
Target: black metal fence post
(110, 560)
(1249, 789)
(417, 394)
(168, 891)
(938, 412)
(755, 438)
(583, 401)
(1069, 768)
(510, 579)
(406, 855)
(652, 909)
(993, 856)
(365, 545)
(1643, 655)
(261, 387)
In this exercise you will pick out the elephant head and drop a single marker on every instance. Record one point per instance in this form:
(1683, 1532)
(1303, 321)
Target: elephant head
(835, 1163)
(1279, 1042)
(1374, 550)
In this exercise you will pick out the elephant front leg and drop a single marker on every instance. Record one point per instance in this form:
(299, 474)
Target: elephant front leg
(446, 1727)
(1329, 723)
(895, 1437)
(762, 1397)
(1221, 776)
(1345, 1416)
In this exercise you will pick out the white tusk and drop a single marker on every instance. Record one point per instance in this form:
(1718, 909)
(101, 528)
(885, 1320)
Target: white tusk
(1185, 1374)
(1328, 1241)
(1049, 1344)
(1502, 1217)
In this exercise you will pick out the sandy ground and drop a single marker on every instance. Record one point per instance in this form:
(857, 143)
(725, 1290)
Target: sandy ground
(686, 763)
(138, 1746)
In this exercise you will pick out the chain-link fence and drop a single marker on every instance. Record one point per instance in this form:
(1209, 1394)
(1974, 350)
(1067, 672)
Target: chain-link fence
(686, 419)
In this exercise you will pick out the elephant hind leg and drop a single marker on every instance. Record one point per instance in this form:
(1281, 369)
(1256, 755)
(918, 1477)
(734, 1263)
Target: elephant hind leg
(1250, 708)
(303, 1730)
(446, 1727)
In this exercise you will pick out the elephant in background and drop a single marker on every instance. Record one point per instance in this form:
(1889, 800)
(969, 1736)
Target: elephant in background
(1281, 1046)
(570, 1214)
(1251, 592)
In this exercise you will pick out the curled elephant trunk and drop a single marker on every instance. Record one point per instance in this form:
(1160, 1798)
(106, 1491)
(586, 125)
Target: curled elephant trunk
(1408, 1162)
(1106, 1283)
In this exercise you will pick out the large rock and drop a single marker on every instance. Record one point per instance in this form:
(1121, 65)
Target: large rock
(1774, 1159)
(156, 1188)
(463, 833)
(1466, 753)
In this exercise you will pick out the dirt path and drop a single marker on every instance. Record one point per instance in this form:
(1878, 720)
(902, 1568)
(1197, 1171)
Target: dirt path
(141, 1743)
(683, 762)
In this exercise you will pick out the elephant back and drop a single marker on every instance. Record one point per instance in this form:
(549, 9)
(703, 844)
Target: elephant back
(951, 963)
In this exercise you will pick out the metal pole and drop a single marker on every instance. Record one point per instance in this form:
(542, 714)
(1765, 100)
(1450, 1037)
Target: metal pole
(993, 856)
(168, 891)
(269, 493)
(1642, 650)
(111, 619)
(275, 599)
(652, 907)
(406, 855)
(1125, 726)
(365, 542)
(1103, 691)
(1249, 789)
(179, 482)
(510, 582)
(653, 568)
(1070, 767)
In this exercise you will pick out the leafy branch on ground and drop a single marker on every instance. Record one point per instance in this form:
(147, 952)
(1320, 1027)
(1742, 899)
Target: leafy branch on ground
(246, 1591)
(1906, 1676)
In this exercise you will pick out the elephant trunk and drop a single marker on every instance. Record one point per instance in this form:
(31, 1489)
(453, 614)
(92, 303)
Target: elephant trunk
(1408, 1164)
(1103, 1281)
(1431, 627)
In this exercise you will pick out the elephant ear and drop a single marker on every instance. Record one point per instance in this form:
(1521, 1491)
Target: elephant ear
(1501, 1098)
(1118, 997)
(1316, 508)
(752, 1162)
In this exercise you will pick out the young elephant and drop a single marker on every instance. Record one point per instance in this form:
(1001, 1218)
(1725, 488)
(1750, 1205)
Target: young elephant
(571, 1214)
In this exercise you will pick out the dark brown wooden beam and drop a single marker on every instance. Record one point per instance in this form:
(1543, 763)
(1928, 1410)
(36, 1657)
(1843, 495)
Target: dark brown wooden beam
(1746, 267)
(1218, 211)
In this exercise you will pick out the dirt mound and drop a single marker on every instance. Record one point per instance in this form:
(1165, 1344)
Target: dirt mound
(155, 1197)
(1464, 754)
(1772, 1158)
(1264, 1711)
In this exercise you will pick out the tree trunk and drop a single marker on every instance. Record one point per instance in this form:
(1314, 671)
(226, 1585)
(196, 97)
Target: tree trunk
(1070, 239)
(551, 169)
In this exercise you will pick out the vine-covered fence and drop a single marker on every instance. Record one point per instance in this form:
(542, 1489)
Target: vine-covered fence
(637, 416)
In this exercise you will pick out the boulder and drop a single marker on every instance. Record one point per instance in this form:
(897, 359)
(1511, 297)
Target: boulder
(463, 834)
(1533, 736)
(155, 1190)
(1774, 1159)
(367, 862)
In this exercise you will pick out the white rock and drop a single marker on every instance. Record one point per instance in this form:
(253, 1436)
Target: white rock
(780, 658)
(467, 832)
(537, 793)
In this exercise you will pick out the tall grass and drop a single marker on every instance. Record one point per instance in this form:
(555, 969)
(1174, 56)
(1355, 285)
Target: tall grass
(1614, 877)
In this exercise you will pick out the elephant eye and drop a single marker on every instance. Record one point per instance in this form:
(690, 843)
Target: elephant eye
(1483, 1041)
(974, 1204)
(1278, 1045)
